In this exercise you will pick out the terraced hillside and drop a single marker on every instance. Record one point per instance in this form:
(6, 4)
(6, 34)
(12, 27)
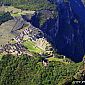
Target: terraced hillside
(9, 20)
(5, 32)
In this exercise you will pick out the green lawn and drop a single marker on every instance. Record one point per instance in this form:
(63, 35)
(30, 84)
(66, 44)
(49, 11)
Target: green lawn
(32, 47)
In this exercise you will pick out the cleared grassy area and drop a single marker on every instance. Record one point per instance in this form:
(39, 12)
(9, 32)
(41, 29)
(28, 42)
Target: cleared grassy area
(15, 15)
(56, 59)
(32, 47)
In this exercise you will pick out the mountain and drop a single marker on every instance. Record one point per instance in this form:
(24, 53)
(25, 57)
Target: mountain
(35, 44)
(66, 30)
(63, 26)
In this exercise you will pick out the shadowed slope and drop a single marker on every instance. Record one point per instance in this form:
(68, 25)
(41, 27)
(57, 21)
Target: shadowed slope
(66, 32)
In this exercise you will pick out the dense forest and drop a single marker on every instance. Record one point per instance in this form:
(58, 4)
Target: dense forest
(30, 4)
(26, 70)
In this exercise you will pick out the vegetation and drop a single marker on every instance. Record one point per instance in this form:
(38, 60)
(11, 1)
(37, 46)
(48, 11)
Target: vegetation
(5, 17)
(26, 70)
(31, 46)
(31, 4)
(45, 15)
(34, 5)
(57, 59)
(1, 55)
(29, 70)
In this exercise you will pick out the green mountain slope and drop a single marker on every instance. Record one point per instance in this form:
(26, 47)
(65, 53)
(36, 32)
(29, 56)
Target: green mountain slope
(31, 4)
(26, 70)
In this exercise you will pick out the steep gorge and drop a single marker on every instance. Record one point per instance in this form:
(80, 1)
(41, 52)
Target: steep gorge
(66, 31)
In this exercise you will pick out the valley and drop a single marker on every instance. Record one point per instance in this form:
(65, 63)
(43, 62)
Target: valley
(42, 42)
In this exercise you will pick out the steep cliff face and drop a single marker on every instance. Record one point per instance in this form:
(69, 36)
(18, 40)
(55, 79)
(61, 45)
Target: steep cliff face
(66, 31)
